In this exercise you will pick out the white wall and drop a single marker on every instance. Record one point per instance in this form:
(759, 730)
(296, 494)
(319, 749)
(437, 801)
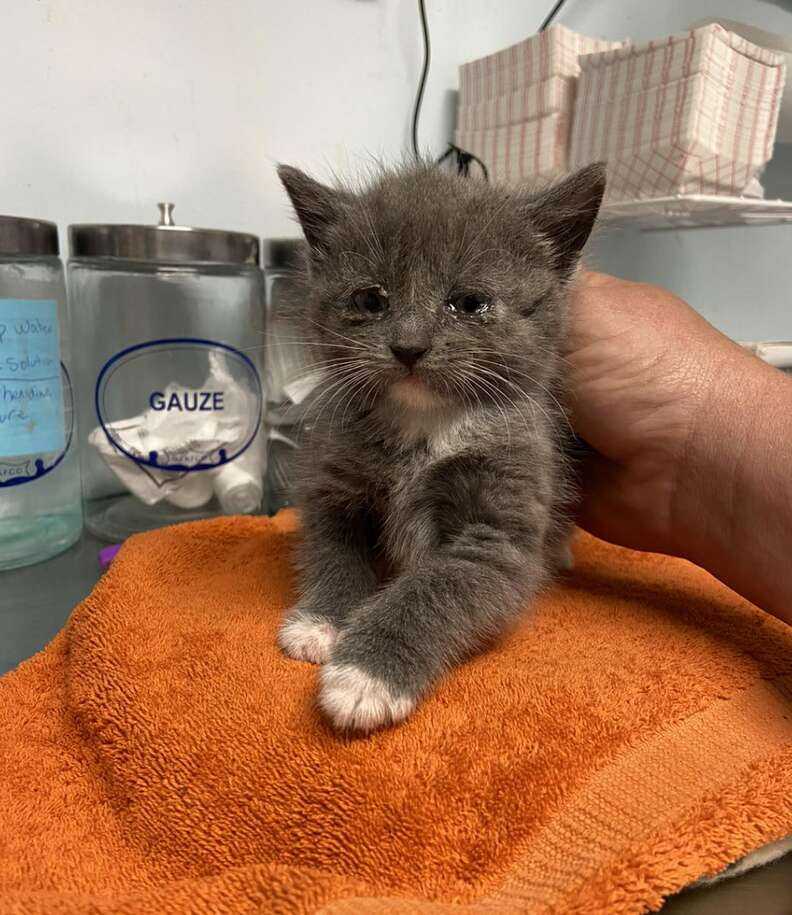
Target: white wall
(108, 107)
(645, 19)
(117, 105)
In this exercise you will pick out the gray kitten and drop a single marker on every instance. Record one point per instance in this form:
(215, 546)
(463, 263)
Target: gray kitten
(436, 306)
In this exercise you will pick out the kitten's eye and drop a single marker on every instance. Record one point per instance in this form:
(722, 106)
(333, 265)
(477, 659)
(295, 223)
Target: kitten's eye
(372, 300)
(469, 303)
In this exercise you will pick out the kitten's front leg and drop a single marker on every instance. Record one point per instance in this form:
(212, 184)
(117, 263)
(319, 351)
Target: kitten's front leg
(481, 573)
(336, 573)
(401, 640)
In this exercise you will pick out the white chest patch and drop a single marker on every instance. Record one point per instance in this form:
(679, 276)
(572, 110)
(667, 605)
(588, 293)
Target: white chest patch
(443, 431)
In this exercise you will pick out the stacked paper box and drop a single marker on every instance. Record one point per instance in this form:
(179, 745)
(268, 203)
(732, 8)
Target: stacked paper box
(694, 113)
(533, 100)
(516, 106)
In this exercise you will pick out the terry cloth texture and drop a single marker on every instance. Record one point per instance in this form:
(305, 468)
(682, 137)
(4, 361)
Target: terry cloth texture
(161, 756)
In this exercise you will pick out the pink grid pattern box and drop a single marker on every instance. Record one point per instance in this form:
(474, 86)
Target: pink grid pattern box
(553, 52)
(692, 114)
(534, 100)
(516, 106)
(515, 152)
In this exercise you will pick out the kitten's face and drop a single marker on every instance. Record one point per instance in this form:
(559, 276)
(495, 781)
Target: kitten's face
(430, 291)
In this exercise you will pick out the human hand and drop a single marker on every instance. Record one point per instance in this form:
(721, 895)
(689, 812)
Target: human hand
(642, 362)
(685, 426)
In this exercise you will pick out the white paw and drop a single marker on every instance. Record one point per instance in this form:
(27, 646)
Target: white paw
(306, 637)
(356, 701)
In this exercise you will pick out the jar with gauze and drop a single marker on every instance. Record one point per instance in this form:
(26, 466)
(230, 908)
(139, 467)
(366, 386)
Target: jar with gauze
(169, 324)
(40, 513)
(292, 377)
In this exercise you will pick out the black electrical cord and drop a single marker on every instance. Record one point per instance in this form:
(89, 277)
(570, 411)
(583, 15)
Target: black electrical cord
(463, 160)
(463, 157)
(551, 15)
(422, 84)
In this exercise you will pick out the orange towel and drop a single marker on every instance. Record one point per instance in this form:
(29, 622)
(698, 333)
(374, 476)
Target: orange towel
(161, 756)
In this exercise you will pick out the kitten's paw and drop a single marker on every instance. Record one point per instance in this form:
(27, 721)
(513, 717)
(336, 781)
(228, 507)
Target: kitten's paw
(307, 637)
(356, 701)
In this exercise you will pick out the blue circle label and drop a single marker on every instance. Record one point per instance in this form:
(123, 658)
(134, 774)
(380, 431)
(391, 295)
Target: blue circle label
(179, 405)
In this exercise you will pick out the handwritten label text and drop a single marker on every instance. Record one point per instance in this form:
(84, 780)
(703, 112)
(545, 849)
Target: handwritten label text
(31, 393)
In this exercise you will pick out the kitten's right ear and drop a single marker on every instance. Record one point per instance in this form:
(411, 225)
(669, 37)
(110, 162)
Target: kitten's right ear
(566, 212)
(316, 205)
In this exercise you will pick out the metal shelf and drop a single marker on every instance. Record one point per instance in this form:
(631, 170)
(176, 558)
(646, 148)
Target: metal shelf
(776, 352)
(696, 211)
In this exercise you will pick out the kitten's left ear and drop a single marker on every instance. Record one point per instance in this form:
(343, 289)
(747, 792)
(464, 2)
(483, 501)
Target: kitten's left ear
(317, 206)
(566, 212)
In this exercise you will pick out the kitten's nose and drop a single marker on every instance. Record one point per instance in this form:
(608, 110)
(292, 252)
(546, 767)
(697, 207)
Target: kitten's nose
(408, 355)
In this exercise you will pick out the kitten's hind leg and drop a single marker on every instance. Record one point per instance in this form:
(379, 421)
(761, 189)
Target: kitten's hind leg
(565, 559)
(558, 544)
(336, 575)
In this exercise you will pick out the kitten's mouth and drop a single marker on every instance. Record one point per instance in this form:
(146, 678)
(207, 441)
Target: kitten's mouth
(411, 390)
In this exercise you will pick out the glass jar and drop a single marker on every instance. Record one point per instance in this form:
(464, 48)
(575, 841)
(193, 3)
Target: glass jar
(290, 379)
(169, 330)
(40, 512)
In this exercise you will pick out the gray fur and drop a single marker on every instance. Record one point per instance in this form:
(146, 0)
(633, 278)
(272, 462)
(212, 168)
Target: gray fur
(459, 483)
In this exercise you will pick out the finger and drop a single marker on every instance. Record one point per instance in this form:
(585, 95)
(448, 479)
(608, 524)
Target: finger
(588, 277)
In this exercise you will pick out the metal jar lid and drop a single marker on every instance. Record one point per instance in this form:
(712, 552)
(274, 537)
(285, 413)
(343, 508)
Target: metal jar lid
(164, 242)
(28, 237)
(283, 253)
